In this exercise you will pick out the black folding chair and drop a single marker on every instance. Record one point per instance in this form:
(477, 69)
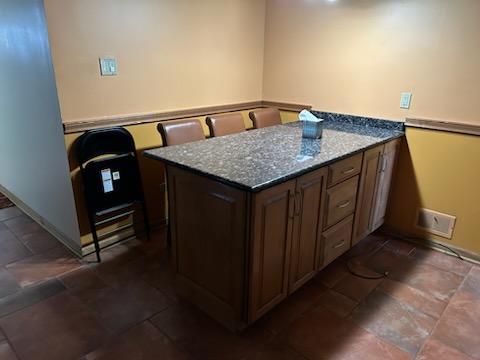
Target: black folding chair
(112, 183)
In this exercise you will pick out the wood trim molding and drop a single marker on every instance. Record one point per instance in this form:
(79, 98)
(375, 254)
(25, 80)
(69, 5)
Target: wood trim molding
(285, 106)
(135, 119)
(444, 125)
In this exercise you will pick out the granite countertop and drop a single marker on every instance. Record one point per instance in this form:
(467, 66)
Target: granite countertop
(258, 159)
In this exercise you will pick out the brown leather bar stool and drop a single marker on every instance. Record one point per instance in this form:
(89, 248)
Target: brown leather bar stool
(265, 117)
(178, 132)
(225, 124)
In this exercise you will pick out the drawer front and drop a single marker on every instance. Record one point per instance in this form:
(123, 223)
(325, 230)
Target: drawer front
(344, 169)
(337, 240)
(341, 200)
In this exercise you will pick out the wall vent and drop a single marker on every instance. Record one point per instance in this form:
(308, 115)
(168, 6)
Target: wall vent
(435, 222)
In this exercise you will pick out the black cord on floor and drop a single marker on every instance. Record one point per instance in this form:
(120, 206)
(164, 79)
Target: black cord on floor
(419, 240)
(368, 254)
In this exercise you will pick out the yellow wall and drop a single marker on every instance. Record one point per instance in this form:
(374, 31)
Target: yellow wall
(356, 57)
(171, 54)
(146, 137)
(439, 170)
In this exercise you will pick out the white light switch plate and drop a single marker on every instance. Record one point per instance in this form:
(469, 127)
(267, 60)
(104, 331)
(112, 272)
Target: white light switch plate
(108, 66)
(405, 99)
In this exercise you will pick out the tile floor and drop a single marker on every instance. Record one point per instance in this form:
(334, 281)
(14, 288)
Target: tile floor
(53, 306)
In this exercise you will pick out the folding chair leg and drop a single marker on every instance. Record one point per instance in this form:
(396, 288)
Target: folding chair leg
(96, 244)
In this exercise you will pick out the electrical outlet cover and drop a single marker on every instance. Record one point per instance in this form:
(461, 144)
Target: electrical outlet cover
(108, 66)
(405, 100)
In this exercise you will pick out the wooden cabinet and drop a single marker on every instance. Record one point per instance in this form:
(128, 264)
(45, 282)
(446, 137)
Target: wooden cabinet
(336, 240)
(384, 184)
(272, 221)
(341, 201)
(307, 227)
(238, 253)
(375, 183)
(344, 169)
(366, 192)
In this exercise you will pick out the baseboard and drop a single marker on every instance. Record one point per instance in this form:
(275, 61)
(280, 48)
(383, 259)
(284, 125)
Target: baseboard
(64, 239)
(432, 244)
(118, 237)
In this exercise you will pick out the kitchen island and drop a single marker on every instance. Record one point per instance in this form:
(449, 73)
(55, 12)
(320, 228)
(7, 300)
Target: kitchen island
(254, 216)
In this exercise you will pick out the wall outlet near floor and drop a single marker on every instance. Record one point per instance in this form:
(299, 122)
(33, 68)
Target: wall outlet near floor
(435, 222)
(405, 100)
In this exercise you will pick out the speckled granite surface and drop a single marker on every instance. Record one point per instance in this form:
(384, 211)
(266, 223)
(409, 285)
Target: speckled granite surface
(258, 159)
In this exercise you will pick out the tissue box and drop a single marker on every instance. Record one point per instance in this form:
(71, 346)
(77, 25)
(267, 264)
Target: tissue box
(312, 129)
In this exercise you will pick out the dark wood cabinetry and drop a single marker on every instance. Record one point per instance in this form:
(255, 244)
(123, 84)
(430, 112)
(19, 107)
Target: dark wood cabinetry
(272, 221)
(240, 253)
(307, 227)
(375, 183)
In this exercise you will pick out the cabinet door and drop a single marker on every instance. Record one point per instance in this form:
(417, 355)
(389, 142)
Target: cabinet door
(307, 227)
(366, 194)
(273, 212)
(384, 182)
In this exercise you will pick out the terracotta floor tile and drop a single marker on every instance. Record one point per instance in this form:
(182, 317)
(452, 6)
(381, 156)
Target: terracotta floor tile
(459, 326)
(122, 274)
(320, 334)
(44, 266)
(291, 308)
(356, 288)
(81, 279)
(206, 339)
(58, 328)
(29, 296)
(337, 303)
(332, 274)
(367, 246)
(162, 277)
(442, 261)
(6, 352)
(8, 284)
(435, 350)
(23, 225)
(276, 352)
(119, 309)
(9, 213)
(472, 282)
(384, 261)
(400, 247)
(144, 342)
(393, 321)
(39, 241)
(430, 279)
(413, 297)
(11, 249)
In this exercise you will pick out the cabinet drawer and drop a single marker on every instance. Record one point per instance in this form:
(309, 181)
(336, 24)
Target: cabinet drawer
(341, 200)
(344, 169)
(337, 240)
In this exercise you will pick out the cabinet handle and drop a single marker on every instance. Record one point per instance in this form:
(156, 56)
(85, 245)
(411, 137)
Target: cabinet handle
(349, 170)
(339, 245)
(298, 195)
(344, 204)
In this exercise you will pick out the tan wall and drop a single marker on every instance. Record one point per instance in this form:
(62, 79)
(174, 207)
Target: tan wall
(171, 54)
(146, 137)
(439, 170)
(356, 57)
